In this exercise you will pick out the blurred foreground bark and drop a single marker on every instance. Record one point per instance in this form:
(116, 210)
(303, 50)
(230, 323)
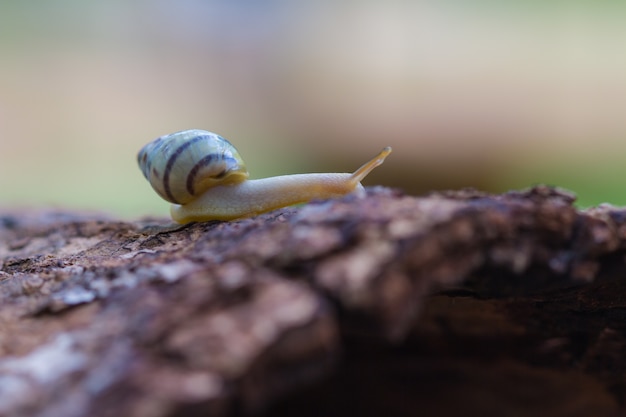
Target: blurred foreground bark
(450, 303)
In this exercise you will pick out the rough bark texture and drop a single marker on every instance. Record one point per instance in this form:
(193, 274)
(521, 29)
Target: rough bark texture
(451, 303)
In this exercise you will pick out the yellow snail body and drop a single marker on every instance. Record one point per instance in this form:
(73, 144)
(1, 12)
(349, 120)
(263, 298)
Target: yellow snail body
(204, 177)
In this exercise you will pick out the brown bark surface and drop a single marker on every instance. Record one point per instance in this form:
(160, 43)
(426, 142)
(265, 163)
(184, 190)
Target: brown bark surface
(448, 304)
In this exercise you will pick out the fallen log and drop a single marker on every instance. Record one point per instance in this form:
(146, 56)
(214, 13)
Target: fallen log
(388, 304)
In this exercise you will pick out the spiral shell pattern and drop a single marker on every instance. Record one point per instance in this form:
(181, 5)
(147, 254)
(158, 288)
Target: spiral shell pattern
(182, 165)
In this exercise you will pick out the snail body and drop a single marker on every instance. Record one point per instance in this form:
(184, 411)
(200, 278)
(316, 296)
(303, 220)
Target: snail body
(204, 177)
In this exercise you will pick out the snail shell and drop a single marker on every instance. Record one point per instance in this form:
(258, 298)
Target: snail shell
(183, 165)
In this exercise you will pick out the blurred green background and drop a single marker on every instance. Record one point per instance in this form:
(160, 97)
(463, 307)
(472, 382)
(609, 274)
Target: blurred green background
(494, 95)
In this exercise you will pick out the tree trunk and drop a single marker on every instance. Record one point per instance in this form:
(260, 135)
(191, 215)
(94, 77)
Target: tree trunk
(448, 304)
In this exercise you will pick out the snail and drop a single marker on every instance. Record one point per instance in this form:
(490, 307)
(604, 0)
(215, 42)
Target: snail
(204, 177)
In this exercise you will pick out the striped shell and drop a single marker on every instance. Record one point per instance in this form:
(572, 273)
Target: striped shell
(182, 165)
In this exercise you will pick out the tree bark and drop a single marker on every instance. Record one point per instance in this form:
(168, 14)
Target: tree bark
(454, 302)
